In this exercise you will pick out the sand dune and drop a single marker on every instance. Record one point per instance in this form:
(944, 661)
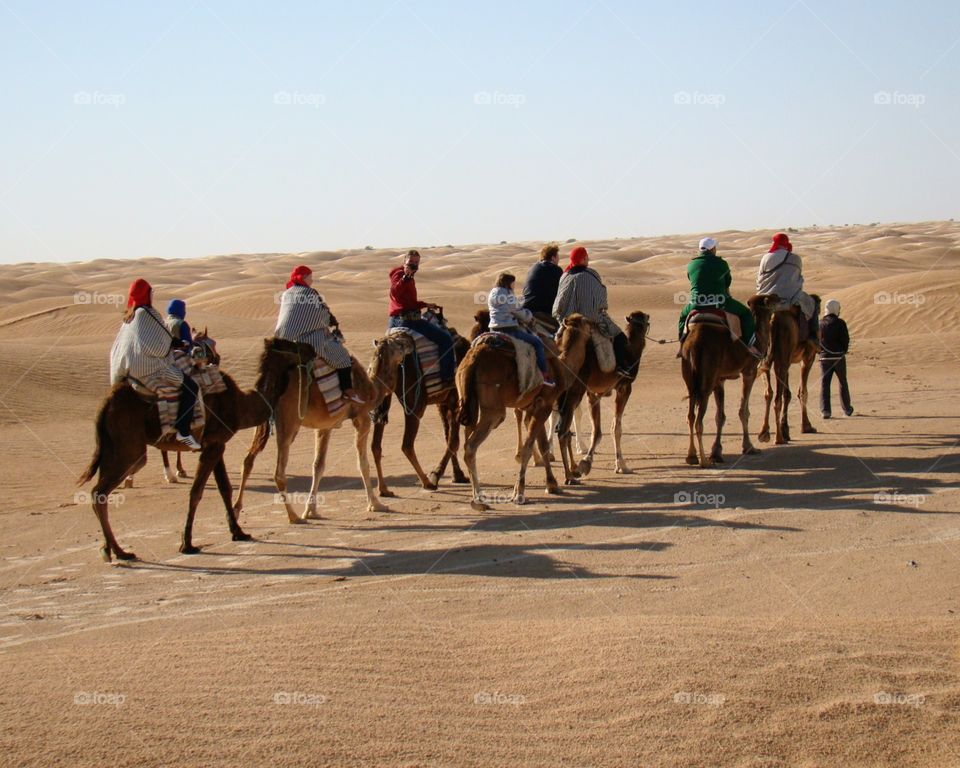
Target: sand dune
(795, 608)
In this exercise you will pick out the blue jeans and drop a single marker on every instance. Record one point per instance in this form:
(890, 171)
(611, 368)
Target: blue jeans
(530, 339)
(438, 336)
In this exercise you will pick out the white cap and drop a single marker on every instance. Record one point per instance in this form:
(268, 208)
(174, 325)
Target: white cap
(832, 307)
(708, 244)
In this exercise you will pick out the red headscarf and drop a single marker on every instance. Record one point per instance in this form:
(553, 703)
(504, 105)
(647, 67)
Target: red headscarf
(139, 294)
(578, 257)
(297, 275)
(780, 240)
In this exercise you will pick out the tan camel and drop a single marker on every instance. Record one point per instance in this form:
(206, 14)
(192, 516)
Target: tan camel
(403, 378)
(785, 350)
(708, 358)
(126, 424)
(596, 384)
(488, 384)
(302, 405)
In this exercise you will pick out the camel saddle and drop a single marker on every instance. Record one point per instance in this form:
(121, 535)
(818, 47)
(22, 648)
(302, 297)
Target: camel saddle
(711, 316)
(528, 374)
(427, 356)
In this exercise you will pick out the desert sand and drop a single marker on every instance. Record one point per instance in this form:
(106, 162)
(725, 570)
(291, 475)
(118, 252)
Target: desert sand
(800, 609)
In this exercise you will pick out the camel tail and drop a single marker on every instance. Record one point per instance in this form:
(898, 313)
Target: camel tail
(103, 439)
(468, 406)
(260, 438)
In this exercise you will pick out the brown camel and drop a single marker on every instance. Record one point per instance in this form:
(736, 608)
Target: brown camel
(488, 384)
(596, 384)
(786, 349)
(403, 379)
(126, 424)
(302, 405)
(708, 358)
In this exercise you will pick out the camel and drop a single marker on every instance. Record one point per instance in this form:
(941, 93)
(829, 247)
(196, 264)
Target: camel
(302, 405)
(402, 378)
(786, 349)
(597, 384)
(708, 358)
(126, 424)
(487, 383)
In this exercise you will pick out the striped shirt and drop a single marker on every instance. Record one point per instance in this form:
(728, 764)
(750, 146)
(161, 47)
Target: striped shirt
(142, 349)
(305, 317)
(582, 291)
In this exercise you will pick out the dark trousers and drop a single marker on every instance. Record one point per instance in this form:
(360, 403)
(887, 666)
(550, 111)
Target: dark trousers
(626, 361)
(188, 398)
(438, 336)
(345, 378)
(827, 369)
(534, 341)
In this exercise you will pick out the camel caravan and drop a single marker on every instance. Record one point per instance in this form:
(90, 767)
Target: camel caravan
(538, 353)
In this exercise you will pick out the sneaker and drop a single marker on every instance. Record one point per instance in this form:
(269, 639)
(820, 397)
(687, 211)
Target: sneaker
(548, 382)
(189, 442)
(825, 415)
(755, 352)
(352, 396)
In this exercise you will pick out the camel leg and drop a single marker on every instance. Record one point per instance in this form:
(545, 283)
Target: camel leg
(535, 425)
(321, 442)
(209, 457)
(552, 485)
(285, 438)
(705, 461)
(782, 403)
(181, 472)
(805, 366)
(578, 427)
(168, 475)
(486, 423)
(226, 493)
(411, 427)
(100, 494)
(764, 434)
(377, 450)
(623, 395)
(362, 423)
(744, 413)
(716, 454)
(260, 437)
(519, 416)
(451, 436)
(596, 432)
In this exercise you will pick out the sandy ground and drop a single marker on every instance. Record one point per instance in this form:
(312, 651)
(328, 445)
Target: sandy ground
(801, 608)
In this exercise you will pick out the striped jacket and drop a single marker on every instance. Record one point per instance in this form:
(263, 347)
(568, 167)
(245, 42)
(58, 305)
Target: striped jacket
(581, 290)
(142, 350)
(305, 317)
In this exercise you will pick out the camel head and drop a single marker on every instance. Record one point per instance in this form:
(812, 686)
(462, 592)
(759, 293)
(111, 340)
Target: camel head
(638, 326)
(575, 331)
(205, 349)
(481, 323)
(388, 356)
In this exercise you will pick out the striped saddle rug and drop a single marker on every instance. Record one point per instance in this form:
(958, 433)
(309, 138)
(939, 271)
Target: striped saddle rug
(208, 378)
(428, 359)
(329, 385)
(529, 377)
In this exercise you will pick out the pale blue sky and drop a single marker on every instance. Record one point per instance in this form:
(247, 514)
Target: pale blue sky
(134, 129)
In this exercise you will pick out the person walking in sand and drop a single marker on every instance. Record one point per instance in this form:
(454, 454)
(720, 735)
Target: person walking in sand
(834, 344)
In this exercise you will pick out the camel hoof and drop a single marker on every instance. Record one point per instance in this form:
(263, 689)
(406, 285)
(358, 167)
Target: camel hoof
(296, 520)
(461, 479)
(572, 481)
(751, 451)
(624, 471)
(189, 550)
(764, 437)
(387, 494)
(181, 473)
(378, 507)
(124, 555)
(809, 429)
(717, 458)
(433, 479)
(519, 499)
(242, 536)
(171, 479)
(706, 464)
(128, 483)
(554, 490)
(479, 506)
(105, 554)
(584, 467)
(782, 441)
(312, 515)
(428, 486)
(692, 459)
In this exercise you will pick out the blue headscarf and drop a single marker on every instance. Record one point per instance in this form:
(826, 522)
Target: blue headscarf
(177, 308)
